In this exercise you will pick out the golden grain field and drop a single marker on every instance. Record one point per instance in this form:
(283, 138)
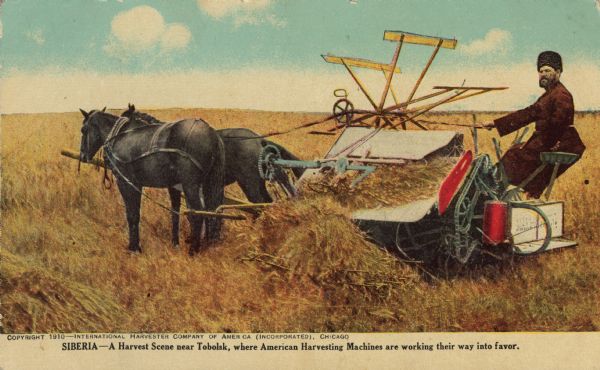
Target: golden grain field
(64, 265)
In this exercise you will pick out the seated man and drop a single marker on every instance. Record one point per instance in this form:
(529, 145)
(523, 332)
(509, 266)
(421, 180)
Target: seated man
(554, 132)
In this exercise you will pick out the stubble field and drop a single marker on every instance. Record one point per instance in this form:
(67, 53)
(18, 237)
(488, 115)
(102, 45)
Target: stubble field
(300, 266)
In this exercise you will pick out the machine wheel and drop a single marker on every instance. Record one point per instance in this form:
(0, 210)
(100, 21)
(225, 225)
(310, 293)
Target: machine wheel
(344, 111)
(545, 225)
(266, 159)
(409, 249)
(399, 246)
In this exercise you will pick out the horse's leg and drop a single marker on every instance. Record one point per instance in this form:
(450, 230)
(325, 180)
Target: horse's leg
(283, 179)
(132, 199)
(192, 198)
(175, 196)
(206, 224)
(255, 190)
(262, 188)
(213, 195)
(213, 190)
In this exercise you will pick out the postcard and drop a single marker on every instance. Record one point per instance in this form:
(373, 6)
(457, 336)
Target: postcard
(274, 183)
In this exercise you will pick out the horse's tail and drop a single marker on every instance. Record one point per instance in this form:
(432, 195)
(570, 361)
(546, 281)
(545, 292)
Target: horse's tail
(286, 154)
(214, 188)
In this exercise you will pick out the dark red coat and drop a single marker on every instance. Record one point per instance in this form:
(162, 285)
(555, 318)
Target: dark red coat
(554, 132)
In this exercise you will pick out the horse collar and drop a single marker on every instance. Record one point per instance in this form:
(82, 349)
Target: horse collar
(114, 131)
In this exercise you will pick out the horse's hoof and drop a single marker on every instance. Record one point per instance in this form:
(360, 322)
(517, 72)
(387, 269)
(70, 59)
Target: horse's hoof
(136, 250)
(214, 239)
(198, 250)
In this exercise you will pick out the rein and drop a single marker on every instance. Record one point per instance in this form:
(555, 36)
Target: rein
(114, 167)
(113, 161)
(333, 116)
(276, 133)
(116, 133)
(107, 181)
(308, 124)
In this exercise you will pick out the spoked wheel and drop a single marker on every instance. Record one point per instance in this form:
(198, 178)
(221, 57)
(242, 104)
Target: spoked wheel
(272, 172)
(343, 109)
(542, 227)
(411, 249)
(266, 166)
(403, 249)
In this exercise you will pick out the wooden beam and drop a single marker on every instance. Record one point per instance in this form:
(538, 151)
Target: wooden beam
(359, 83)
(394, 96)
(366, 115)
(361, 63)
(435, 51)
(413, 38)
(457, 97)
(388, 80)
(213, 214)
(387, 122)
(469, 88)
(418, 124)
(74, 155)
(428, 108)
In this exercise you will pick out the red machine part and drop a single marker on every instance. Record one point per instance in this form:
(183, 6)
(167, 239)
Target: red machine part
(451, 183)
(495, 216)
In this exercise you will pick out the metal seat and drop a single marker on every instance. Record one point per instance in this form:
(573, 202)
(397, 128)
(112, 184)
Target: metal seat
(550, 159)
(554, 158)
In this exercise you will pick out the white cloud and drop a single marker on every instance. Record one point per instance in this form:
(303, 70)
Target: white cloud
(36, 36)
(495, 41)
(253, 19)
(221, 8)
(252, 12)
(142, 29)
(176, 36)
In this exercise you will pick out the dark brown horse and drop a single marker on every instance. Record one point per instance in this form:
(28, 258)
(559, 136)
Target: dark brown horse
(187, 153)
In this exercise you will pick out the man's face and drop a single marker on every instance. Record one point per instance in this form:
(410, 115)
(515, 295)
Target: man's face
(548, 76)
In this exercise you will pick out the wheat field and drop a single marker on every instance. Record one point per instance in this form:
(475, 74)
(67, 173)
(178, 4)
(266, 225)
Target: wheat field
(300, 266)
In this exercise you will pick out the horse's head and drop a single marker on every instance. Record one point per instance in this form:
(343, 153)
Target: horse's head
(129, 112)
(91, 134)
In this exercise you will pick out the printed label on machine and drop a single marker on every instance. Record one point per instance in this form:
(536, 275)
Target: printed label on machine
(528, 226)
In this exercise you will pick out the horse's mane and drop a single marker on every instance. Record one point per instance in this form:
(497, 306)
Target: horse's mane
(147, 117)
(133, 114)
(102, 113)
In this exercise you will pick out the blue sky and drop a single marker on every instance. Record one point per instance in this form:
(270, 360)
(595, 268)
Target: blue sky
(130, 37)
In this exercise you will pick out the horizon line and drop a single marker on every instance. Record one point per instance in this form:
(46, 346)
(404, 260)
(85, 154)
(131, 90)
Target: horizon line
(284, 111)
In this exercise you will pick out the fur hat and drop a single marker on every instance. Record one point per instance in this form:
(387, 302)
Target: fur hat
(549, 58)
